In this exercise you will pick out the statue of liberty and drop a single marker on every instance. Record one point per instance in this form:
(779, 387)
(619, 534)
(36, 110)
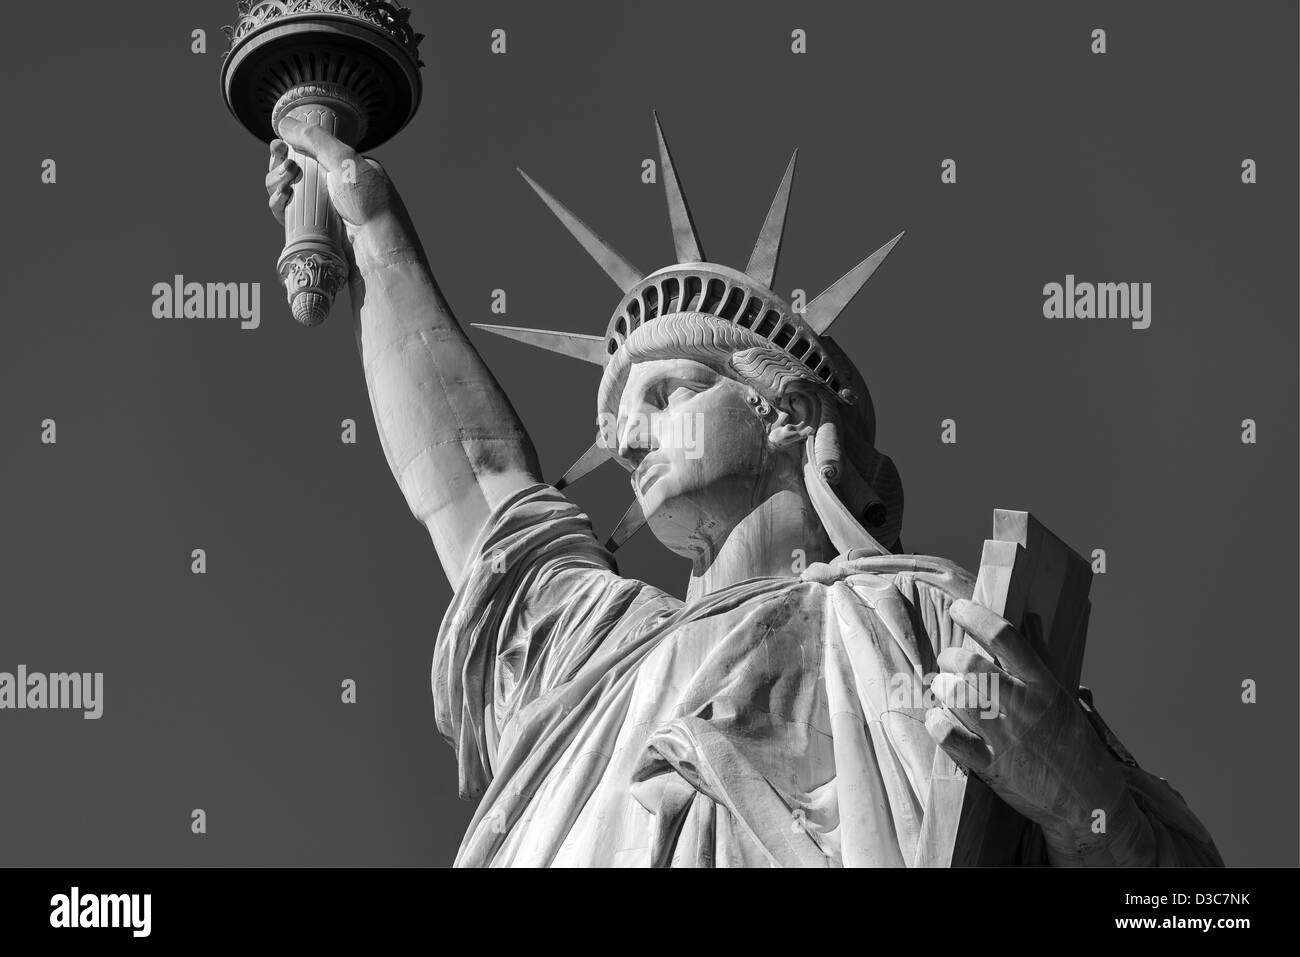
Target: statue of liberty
(601, 721)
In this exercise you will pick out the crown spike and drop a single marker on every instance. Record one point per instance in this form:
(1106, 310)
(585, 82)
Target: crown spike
(587, 348)
(824, 310)
(620, 270)
(631, 522)
(589, 461)
(762, 262)
(685, 239)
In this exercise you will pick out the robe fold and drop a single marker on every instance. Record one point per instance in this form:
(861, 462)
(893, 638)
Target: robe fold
(776, 722)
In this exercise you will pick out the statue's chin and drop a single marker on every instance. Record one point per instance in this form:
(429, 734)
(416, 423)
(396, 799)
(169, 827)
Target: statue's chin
(686, 522)
(677, 538)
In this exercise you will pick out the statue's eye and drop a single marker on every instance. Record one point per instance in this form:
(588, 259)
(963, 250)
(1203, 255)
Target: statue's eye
(672, 391)
(680, 393)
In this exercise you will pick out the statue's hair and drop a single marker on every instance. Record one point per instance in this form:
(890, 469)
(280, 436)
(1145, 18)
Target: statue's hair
(770, 369)
(737, 353)
(728, 349)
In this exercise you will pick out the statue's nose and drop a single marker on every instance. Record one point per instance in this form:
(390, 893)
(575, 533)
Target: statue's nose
(636, 439)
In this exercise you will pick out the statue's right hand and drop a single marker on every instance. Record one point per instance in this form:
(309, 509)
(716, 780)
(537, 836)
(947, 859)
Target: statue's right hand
(359, 189)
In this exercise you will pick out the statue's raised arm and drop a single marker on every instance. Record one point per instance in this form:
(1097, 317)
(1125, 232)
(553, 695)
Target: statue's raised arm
(451, 437)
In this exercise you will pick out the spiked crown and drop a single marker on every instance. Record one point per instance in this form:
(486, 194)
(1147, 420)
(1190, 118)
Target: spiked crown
(693, 284)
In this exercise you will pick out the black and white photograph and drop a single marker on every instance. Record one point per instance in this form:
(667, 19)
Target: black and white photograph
(607, 435)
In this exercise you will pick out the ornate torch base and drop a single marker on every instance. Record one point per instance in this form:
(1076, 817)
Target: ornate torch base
(312, 266)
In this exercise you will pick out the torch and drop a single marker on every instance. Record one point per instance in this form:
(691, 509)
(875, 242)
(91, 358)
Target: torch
(351, 67)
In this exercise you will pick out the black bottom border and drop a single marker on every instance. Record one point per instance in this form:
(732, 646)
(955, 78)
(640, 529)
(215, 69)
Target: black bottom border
(333, 905)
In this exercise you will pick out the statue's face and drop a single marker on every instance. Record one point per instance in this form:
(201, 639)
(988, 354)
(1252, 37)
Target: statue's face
(696, 449)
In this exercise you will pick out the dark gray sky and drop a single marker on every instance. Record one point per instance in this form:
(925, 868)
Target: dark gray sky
(222, 690)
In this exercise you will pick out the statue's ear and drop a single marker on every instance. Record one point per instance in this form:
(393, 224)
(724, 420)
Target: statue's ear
(797, 416)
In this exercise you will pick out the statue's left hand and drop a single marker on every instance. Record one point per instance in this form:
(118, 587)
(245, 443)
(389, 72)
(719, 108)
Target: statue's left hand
(1028, 739)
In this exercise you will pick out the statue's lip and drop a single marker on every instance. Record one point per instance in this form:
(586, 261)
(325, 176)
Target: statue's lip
(652, 474)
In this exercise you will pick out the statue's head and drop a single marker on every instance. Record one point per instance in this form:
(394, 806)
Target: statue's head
(716, 394)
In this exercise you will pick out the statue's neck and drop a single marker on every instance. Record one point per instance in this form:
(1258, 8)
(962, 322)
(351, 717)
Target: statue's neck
(780, 537)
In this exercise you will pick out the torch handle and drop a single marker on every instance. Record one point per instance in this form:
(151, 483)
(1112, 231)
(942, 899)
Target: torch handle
(312, 266)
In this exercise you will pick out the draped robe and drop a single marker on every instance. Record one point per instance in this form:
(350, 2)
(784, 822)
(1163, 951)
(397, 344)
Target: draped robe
(603, 722)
